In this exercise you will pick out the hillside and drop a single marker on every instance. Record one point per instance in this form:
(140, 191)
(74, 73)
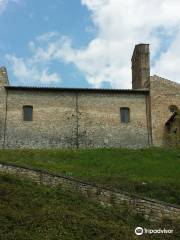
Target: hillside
(35, 212)
(149, 172)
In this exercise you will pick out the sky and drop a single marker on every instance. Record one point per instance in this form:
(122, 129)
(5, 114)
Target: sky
(87, 43)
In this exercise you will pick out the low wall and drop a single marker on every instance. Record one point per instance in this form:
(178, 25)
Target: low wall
(152, 210)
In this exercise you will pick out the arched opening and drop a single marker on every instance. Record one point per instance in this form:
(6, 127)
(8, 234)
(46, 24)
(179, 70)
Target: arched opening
(173, 108)
(172, 128)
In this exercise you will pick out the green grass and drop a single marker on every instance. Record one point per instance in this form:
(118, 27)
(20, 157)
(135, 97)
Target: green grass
(151, 172)
(34, 212)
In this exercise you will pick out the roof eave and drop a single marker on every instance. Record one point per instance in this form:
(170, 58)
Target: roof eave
(140, 91)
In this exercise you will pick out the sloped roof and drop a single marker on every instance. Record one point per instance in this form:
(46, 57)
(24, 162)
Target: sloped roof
(25, 88)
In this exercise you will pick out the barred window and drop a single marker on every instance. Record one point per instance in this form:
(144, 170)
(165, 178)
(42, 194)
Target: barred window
(125, 114)
(27, 113)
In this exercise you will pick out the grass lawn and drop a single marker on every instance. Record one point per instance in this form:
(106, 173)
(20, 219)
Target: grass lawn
(34, 212)
(151, 172)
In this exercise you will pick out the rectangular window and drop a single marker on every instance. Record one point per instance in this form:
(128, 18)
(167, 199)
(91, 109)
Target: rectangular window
(27, 113)
(125, 114)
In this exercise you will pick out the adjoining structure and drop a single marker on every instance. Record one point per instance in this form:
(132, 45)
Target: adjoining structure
(172, 132)
(34, 117)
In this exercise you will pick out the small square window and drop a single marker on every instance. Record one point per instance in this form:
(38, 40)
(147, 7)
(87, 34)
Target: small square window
(125, 114)
(27, 113)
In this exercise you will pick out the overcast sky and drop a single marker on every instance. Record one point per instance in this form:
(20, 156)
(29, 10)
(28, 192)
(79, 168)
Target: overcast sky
(87, 43)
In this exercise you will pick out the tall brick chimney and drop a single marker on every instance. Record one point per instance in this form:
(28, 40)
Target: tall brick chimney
(140, 66)
(3, 77)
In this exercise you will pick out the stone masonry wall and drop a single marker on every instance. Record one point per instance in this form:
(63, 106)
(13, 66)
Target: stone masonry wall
(163, 93)
(140, 66)
(100, 125)
(71, 119)
(152, 210)
(54, 120)
(3, 95)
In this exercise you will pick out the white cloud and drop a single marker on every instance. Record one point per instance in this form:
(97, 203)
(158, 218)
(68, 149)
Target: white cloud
(48, 36)
(35, 69)
(29, 72)
(4, 4)
(168, 64)
(120, 25)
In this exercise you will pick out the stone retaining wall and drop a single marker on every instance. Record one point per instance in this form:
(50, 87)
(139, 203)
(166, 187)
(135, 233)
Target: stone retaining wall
(152, 210)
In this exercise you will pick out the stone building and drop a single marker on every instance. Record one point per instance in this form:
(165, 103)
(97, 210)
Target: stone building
(39, 117)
